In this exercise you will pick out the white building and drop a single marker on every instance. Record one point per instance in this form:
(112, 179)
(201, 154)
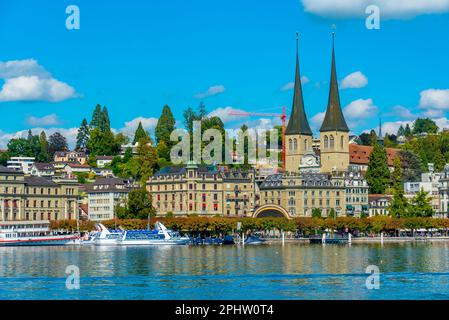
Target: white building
(23, 164)
(378, 204)
(103, 197)
(102, 161)
(430, 183)
(443, 191)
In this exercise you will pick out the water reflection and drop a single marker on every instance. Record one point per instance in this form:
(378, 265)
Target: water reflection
(296, 271)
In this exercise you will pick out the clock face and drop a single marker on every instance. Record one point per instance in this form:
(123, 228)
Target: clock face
(308, 160)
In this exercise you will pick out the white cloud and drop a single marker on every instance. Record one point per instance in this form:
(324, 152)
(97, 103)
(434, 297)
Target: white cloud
(69, 133)
(354, 80)
(291, 85)
(389, 9)
(434, 99)
(225, 114)
(45, 121)
(317, 120)
(402, 112)
(131, 126)
(212, 91)
(360, 109)
(26, 80)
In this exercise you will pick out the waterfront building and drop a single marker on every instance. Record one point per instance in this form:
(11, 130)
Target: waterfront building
(297, 195)
(203, 190)
(378, 204)
(23, 164)
(430, 183)
(70, 156)
(104, 195)
(35, 198)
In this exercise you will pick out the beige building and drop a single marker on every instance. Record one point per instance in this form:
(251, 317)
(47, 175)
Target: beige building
(297, 195)
(70, 156)
(35, 198)
(202, 190)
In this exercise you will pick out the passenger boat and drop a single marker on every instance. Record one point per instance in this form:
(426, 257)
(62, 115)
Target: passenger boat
(104, 237)
(33, 233)
(160, 236)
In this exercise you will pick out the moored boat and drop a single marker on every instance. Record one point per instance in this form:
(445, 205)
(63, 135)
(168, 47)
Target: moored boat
(160, 236)
(33, 233)
(254, 240)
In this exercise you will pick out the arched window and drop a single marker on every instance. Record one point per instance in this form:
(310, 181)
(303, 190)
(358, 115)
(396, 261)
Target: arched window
(331, 141)
(341, 142)
(290, 144)
(305, 145)
(295, 144)
(326, 142)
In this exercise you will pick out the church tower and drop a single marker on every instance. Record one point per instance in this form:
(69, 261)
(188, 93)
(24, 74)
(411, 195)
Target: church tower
(334, 133)
(298, 135)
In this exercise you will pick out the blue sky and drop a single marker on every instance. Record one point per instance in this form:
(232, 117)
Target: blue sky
(136, 56)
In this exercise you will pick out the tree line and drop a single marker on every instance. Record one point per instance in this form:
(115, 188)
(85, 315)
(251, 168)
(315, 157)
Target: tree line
(303, 225)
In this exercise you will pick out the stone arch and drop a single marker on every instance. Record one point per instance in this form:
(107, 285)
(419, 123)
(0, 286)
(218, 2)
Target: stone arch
(272, 211)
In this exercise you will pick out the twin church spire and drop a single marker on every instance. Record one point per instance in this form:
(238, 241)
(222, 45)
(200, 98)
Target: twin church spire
(333, 120)
(298, 124)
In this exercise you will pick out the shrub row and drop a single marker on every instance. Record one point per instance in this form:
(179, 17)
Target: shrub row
(304, 225)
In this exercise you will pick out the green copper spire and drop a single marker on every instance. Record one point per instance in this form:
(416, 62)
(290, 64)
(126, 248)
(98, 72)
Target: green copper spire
(334, 119)
(297, 124)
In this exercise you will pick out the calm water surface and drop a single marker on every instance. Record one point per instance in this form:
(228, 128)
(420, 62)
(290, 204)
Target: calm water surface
(293, 271)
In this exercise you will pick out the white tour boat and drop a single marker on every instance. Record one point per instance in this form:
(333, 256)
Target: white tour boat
(33, 233)
(160, 236)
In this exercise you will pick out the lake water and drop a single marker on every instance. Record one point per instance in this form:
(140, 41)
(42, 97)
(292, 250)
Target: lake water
(293, 271)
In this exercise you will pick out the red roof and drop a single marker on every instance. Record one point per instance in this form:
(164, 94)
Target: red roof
(360, 154)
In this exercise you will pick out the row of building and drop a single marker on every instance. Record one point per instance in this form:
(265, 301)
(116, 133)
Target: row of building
(325, 174)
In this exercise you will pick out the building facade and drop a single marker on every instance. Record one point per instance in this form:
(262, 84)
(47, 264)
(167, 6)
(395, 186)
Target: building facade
(202, 190)
(70, 156)
(104, 195)
(35, 198)
(23, 164)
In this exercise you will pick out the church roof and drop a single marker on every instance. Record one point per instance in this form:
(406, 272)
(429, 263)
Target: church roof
(298, 124)
(334, 119)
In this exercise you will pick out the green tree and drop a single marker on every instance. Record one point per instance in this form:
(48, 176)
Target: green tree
(165, 126)
(4, 157)
(425, 125)
(411, 167)
(146, 160)
(407, 130)
(82, 138)
(396, 176)
(139, 204)
(140, 133)
(97, 117)
(332, 214)
(378, 174)
(57, 142)
(316, 213)
(421, 205)
(19, 147)
(44, 155)
(401, 131)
